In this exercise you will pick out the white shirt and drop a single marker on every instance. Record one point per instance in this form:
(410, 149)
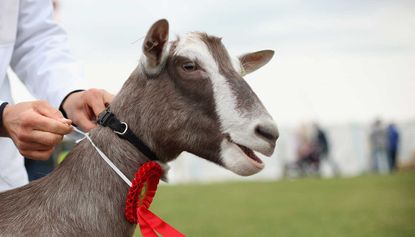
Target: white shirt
(35, 48)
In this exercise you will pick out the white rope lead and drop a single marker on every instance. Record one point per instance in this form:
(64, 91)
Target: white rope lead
(103, 156)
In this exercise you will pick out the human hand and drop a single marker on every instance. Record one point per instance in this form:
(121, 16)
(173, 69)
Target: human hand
(84, 107)
(35, 128)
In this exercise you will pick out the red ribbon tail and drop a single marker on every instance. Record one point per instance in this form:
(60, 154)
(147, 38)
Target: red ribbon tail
(152, 222)
(145, 228)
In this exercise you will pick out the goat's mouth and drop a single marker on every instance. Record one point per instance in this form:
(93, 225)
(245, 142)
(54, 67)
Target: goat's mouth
(250, 154)
(241, 159)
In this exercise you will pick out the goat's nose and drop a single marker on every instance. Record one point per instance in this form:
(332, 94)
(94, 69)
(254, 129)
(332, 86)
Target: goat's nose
(268, 132)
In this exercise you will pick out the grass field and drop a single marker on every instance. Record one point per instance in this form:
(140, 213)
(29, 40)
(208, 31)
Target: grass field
(363, 206)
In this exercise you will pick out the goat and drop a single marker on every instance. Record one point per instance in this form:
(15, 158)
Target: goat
(184, 95)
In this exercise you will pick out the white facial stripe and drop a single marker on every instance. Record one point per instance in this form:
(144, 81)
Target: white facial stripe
(191, 46)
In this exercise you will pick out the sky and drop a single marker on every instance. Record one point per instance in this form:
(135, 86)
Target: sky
(335, 62)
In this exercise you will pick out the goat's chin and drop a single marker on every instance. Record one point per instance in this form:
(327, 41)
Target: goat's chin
(240, 160)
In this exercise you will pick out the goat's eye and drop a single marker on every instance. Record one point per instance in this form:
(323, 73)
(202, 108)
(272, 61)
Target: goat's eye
(189, 66)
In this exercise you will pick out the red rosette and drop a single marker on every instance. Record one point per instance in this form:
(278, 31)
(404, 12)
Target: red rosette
(138, 202)
(148, 174)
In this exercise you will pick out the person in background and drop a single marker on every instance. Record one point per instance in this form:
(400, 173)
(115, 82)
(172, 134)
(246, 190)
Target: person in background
(323, 148)
(378, 147)
(393, 145)
(35, 48)
(307, 159)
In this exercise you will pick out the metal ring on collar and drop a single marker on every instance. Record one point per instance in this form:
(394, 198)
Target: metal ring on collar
(125, 130)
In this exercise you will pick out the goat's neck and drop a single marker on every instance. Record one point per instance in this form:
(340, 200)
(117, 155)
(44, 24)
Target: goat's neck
(145, 104)
(126, 106)
(121, 152)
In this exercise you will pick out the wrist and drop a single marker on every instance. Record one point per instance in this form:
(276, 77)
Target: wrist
(62, 105)
(3, 131)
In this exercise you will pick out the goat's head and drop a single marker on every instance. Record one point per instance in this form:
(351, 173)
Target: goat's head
(189, 95)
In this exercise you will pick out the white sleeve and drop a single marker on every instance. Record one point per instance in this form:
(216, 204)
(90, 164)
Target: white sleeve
(41, 57)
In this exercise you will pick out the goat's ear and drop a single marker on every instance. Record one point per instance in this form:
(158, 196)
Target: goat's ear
(252, 61)
(154, 46)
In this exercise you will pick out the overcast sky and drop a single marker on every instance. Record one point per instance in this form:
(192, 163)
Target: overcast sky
(336, 61)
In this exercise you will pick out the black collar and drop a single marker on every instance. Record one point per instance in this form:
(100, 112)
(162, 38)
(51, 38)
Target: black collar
(108, 119)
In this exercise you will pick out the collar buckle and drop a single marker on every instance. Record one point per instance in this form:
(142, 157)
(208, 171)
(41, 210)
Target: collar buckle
(104, 117)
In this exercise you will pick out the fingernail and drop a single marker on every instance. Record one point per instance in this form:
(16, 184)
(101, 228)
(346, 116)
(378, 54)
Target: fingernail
(66, 121)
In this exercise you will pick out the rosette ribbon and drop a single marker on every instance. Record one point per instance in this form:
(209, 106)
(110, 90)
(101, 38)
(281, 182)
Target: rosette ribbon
(139, 198)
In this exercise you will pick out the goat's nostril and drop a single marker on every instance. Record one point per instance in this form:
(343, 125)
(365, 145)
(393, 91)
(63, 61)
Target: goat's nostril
(269, 133)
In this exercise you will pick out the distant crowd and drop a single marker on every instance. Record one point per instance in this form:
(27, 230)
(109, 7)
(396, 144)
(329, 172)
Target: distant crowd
(313, 148)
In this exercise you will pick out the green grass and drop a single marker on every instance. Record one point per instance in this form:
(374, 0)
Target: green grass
(363, 206)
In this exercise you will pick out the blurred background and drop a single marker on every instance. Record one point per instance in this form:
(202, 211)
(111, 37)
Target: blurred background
(341, 87)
